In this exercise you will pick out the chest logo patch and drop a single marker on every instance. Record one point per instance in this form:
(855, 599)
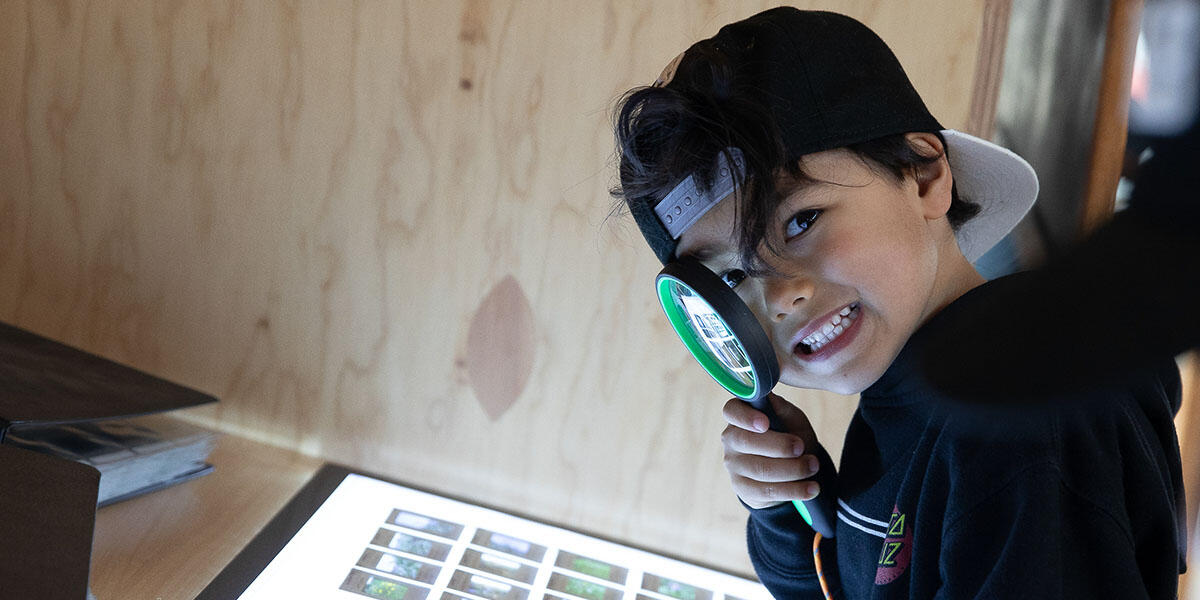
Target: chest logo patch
(897, 549)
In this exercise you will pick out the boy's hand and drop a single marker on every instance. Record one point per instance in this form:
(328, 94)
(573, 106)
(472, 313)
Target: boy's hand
(767, 468)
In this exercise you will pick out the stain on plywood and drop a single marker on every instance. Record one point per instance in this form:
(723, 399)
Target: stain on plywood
(500, 348)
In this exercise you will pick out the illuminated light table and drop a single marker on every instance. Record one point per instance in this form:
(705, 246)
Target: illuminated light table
(351, 536)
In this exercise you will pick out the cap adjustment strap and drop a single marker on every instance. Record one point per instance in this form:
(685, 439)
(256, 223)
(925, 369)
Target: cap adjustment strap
(685, 204)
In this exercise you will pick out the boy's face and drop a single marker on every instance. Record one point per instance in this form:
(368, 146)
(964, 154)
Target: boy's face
(854, 245)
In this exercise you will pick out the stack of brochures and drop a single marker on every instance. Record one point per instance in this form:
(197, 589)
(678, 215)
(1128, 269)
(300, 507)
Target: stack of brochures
(134, 456)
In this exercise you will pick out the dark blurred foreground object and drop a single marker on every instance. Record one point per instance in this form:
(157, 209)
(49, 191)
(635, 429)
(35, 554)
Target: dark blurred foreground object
(1127, 295)
(48, 503)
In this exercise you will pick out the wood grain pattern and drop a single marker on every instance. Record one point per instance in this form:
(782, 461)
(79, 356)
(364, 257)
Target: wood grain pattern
(298, 207)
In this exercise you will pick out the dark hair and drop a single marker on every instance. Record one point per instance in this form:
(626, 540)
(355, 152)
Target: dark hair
(664, 134)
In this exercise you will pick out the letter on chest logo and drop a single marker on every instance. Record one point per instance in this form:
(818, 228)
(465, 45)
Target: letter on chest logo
(896, 552)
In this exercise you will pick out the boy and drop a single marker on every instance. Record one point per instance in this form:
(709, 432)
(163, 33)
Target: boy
(847, 238)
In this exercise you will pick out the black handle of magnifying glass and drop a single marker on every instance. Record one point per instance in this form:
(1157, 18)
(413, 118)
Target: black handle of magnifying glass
(822, 510)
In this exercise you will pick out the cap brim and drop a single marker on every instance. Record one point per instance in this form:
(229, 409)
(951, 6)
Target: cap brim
(1000, 182)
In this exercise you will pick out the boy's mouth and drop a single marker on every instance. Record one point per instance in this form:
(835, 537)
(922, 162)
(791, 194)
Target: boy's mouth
(829, 331)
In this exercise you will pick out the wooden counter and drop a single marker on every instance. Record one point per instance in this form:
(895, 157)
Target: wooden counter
(170, 544)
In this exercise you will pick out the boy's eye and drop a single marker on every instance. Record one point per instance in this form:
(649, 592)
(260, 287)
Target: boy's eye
(733, 277)
(801, 222)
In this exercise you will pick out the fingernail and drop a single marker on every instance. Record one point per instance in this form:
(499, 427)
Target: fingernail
(812, 464)
(798, 449)
(760, 425)
(813, 489)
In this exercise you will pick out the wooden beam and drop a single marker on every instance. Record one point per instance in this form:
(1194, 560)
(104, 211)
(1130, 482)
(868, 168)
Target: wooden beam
(989, 68)
(1112, 113)
(1187, 425)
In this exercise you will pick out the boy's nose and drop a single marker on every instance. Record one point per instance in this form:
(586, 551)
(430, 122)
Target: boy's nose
(785, 294)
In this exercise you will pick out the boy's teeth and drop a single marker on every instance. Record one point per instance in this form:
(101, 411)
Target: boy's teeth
(831, 330)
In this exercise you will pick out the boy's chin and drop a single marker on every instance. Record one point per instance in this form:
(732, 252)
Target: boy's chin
(845, 384)
(848, 389)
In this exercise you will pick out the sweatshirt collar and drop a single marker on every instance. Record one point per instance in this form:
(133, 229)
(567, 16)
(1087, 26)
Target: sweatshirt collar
(904, 381)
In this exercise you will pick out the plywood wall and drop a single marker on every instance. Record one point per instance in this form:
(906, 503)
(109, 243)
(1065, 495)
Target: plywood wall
(379, 232)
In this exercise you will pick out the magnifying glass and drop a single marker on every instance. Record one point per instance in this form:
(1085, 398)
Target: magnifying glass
(723, 335)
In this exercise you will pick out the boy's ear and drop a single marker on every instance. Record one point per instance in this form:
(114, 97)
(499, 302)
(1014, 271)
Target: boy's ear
(934, 180)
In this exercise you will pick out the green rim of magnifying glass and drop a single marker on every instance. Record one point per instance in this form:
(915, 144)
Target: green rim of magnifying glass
(680, 323)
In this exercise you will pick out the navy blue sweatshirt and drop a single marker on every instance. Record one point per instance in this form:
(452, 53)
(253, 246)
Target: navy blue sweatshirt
(1080, 499)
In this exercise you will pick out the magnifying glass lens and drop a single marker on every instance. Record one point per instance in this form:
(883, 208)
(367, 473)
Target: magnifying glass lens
(709, 338)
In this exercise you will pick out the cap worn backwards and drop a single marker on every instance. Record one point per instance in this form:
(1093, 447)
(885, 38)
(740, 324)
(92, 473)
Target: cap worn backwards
(828, 81)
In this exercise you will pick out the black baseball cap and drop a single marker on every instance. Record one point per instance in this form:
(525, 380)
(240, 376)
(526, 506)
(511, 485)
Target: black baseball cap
(829, 82)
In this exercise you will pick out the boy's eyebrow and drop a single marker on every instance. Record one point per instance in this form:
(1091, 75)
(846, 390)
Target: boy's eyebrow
(701, 253)
(705, 252)
(802, 187)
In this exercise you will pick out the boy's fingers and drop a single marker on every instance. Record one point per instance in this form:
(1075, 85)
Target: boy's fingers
(740, 414)
(771, 444)
(771, 470)
(757, 494)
